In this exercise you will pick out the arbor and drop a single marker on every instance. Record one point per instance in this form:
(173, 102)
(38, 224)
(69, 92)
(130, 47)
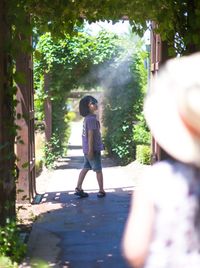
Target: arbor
(123, 103)
(177, 23)
(69, 63)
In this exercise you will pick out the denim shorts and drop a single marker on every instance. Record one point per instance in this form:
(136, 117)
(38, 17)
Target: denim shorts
(94, 164)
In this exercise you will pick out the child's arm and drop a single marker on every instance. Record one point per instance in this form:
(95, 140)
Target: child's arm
(138, 230)
(90, 143)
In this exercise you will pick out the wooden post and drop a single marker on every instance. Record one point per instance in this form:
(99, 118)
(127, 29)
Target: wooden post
(159, 55)
(7, 136)
(155, 62)
(25, 152)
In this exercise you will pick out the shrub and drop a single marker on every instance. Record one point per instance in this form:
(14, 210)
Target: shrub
(10, 243)
(122, 103)
(38, 167)
(71, 116)
(52, 151)
(143, 154)
(7, 263)
(141, 133)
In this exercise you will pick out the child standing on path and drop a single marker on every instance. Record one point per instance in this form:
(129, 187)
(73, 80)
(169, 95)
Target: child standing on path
(92, 145)
(163, 227)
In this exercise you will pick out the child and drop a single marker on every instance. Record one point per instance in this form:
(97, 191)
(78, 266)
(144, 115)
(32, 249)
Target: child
(92, 145)
(163, 227)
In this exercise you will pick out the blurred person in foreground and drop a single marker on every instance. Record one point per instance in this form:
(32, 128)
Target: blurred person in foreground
(163, 226)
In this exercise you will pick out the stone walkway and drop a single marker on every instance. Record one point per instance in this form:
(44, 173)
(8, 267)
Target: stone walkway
(81, 233)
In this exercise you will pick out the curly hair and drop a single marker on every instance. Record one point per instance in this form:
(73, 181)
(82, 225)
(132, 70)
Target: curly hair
(84, 105)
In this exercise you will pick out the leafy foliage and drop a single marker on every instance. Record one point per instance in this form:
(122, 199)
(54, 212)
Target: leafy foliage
(71, 58)
(141, 133)
(177, 21)
(67, 64)
(6, 262)
(142, 138)
(123, 102)
(143, 154)
(52, 151)
(10, 244)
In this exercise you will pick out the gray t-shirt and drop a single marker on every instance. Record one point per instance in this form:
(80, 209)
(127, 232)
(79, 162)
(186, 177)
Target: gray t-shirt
(91, 123)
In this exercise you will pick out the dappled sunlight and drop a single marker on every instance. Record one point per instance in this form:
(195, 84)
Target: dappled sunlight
(89, 228)
(68, 198)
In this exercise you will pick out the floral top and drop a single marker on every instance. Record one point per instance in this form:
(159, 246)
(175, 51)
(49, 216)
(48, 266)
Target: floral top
(174, 188)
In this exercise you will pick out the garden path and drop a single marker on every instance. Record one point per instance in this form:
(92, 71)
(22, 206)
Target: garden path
(76, 233)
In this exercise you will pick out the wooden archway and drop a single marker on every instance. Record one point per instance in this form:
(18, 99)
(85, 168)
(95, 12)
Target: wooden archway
(26, 152)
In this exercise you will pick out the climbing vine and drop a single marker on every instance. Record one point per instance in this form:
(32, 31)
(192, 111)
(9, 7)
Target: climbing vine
(177, 22)
(68, 63)
(123, 103)
(15, 32)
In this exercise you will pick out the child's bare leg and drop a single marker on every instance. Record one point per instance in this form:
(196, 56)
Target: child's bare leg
(99, 175)
(81, 178)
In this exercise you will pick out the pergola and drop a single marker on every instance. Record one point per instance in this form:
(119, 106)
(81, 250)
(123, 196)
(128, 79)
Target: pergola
(25, 97)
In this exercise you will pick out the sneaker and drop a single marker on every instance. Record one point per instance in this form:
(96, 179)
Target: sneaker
(101, 194)
(80, 193)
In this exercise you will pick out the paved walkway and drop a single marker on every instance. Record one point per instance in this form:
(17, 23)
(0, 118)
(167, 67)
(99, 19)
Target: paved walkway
(81, 233)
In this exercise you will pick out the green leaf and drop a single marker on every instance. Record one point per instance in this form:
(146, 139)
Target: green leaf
(25, 165)
(19, 78)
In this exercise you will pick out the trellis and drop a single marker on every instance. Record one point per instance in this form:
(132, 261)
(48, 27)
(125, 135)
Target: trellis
(25, 95)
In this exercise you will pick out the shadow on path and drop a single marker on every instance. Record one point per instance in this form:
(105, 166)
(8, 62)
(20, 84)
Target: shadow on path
(70, 162)
(82, 233)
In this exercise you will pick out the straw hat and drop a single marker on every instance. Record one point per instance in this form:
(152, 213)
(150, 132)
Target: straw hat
(172, 108)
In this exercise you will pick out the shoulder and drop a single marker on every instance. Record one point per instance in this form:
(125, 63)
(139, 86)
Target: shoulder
(91, 120)
(165, 179)
(157, 171)
(167, 171)
(160, 178)
(91, 117)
